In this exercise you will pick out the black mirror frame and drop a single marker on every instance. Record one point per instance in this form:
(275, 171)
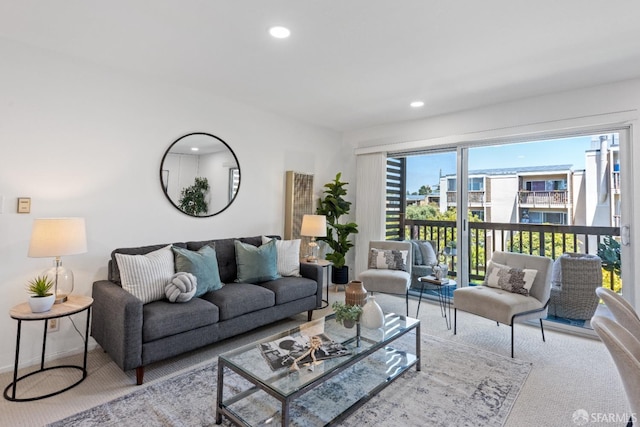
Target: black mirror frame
(164, 189)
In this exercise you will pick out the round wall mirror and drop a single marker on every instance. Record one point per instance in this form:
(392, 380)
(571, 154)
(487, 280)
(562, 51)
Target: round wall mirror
(200, 174)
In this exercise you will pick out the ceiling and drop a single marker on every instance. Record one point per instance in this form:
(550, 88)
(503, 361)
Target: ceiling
(348, 64)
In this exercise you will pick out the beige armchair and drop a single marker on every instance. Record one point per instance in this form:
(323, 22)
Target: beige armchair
(389, 280)
(504, 306)
(625, 352)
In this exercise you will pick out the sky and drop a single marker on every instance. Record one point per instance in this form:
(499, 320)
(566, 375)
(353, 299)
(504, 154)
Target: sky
(425, 170)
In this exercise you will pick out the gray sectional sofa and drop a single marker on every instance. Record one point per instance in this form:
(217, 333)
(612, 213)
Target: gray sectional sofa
(136, 334)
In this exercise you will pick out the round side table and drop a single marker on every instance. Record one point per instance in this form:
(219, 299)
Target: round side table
(22, 312)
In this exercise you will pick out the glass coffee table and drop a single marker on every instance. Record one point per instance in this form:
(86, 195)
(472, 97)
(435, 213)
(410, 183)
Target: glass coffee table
(257, 386)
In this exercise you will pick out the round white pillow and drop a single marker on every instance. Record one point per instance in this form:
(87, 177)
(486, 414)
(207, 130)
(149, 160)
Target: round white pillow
(181, 287)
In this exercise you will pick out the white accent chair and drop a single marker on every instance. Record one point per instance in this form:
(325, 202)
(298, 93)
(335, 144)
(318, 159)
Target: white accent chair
(507, 307)
(389, 281)
(625, 352)
(622, 311)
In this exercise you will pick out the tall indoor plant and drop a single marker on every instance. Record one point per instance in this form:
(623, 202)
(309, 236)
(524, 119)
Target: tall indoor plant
(333, 206)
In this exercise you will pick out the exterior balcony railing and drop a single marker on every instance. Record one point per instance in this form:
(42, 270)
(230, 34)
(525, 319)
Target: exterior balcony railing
(538, 199)
(537, 239)
(476, 198)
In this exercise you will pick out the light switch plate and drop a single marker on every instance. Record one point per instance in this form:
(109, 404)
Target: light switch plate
(24, 204)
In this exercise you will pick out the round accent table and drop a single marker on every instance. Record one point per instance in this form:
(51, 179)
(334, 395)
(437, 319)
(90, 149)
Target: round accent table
(22, 312)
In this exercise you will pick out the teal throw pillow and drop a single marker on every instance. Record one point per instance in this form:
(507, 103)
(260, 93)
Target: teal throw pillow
(202, 264)
(256, 265)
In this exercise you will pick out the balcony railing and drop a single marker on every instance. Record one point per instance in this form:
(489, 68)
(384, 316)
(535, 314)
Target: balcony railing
(475, 197)
(543, 198)
(536, 239)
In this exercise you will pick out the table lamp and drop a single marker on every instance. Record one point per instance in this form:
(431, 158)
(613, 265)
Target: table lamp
(56, 237)
(313, 226)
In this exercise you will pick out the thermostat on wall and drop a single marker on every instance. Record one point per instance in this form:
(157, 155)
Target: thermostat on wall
(24, 204)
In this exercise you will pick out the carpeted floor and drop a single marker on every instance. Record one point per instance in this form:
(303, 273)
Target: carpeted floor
(463, 385)
(568, 372)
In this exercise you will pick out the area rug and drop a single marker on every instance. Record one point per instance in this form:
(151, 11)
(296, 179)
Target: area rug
(457, 386)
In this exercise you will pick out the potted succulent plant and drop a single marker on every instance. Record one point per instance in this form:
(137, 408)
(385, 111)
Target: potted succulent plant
(41, 298)
(346, 315)
(333, 206)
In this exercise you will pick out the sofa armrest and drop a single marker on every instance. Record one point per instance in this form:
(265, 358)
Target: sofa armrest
(314, 272)
(117, 323)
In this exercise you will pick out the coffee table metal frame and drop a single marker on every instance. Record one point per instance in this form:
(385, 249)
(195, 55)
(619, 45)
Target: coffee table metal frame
(346, 361)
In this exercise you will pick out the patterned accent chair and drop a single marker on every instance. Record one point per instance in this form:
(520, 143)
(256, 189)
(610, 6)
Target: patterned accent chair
(504, 306)
(391, 280)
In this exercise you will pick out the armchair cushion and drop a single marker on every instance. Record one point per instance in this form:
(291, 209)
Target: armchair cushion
(389, 281)
(428, 254)
(511, 279)
(388, 259)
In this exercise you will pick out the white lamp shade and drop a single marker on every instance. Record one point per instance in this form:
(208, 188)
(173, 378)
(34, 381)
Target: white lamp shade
(55, 237)
(314, 226)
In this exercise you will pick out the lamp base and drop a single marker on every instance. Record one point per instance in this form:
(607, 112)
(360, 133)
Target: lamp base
(60, 299)
(312, 259)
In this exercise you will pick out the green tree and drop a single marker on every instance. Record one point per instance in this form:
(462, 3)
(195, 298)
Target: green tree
(425, 190)
(333, 205)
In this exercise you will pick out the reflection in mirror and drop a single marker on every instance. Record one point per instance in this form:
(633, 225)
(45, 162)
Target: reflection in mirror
(200, 174)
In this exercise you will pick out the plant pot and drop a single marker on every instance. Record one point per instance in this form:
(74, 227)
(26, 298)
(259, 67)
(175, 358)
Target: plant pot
(41, 304)
(348, 323)
(340, 276)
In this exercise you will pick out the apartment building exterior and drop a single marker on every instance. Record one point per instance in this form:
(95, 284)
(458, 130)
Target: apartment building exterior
(550, 194)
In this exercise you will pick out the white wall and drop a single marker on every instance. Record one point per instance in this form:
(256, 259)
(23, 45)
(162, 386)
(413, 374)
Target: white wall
(585, 109)
(81, 140)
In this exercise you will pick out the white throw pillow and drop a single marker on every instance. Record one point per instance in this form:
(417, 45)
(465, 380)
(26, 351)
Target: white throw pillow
(516, 280)
(145, 276)
(389, 259)
(288, 261)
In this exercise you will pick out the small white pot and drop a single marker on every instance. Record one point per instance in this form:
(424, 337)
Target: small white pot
(41, 304)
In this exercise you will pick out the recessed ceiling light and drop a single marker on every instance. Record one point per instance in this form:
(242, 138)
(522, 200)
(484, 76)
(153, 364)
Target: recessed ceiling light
(194, 149)
(279, 32)
(417, 104)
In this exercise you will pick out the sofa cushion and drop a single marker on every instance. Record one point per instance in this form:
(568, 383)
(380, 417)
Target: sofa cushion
(288, 256)
(181, 288)
(239, 298)
(145, 276)
(203, 264)
(288, 289)
(256, 264)
(226, 254)
(114, 271)
(163, 319)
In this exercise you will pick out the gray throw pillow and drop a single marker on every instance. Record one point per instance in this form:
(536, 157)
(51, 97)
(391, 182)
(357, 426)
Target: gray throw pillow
(202, 264)
(417, 254)
(428, 254)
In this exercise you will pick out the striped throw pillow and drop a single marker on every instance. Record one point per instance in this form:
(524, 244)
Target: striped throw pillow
(145, 276)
